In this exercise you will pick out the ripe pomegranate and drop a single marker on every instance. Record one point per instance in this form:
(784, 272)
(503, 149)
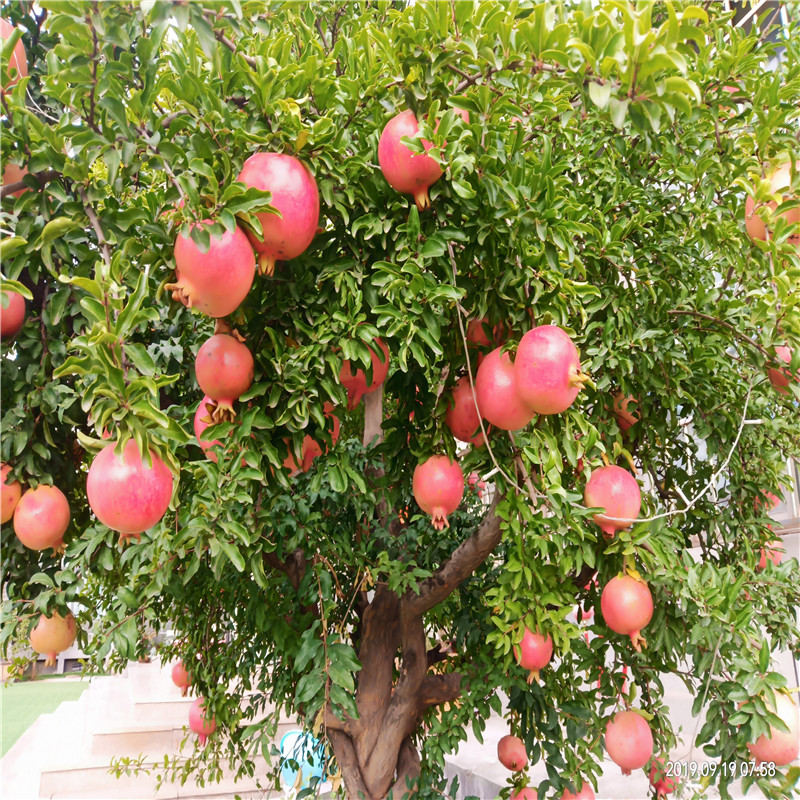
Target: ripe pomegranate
(9, 494)
(180, 677)
(772, 552)
(496, 388)
(525, 794)
(627, 606)
(202, 419)
(616, 491)
(356, 382)
(659, 780)
(12, 315)
(625, 418)
(312, 448)
(548, 369)
(13, 173)
(52, 635)
(19, 58)
(199, 722)
(41, 518)
(779, 747)
(629, 740)
(478, 333)
(769, 499)
(124, 493)
(462, 416)
(511, 753)
(438, 486)
(215, 282)
(780, 378)
(474, 481)
(586, 793)
(780, 181)
(295, 195)
(534, 653)
(224, 368)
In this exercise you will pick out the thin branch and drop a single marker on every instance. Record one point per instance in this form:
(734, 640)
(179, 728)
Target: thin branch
(732, 328)
(42, 177)
(223, 39)
(101, 239)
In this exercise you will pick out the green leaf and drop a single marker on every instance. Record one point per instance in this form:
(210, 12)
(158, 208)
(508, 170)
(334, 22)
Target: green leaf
(55, 229)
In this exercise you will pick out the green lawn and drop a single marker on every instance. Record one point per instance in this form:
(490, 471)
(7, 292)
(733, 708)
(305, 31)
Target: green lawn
(23, 702)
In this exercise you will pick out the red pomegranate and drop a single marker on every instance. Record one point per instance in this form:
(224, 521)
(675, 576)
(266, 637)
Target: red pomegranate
(295, 195)
(534, 653)
(474, 482)
(124, 493)
(199, 722)
(548, 369)
(511, 753)
(356, 382)
(224, 368)
(780, 181)
(627, 606)
(779, 747)
(13, 173)
(438, 486)
(462, 415)
(480, 333)
(19, 59)
(52, 635)
(525, 794)
(660, 781)
(215, 282)
(312, 448)
(772, 552)
(625, 417)
(780, 378)
(496, 388)
(41, 518)
(202, 419)
(616, 491)
(12, 315)
(586, 793)
(10, 494)
(629, 740)
(180, 677)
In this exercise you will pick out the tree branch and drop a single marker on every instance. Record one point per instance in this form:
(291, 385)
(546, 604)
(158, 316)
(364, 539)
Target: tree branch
(732, 328)
(348, 763)
(437, 689)
(101, 239)
(223, 39)
(42, 177)
(408, 764)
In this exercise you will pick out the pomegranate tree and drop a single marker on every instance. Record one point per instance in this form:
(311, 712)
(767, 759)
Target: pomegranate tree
(18, 61)
(10, 494)
(548, 370)
(616, 491)
(629, 740)
(663, 784)
(294, 195)
(12, 314)
(586, 793)
(462, 415)
(180, 677)
(780, 377)
(534, 652)
(53, 635)
(511, 753)
(496, 388)
(224, 368)
(779, 747)
(356, 382)
(217, 281)
(200, 722)
(627, 606)
(438, 486)
(42, 518)
(124, 493)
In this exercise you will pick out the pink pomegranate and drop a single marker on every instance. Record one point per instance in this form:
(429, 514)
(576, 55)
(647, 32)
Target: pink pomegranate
(199, 722)
(480, 333)
(534, 652)
(52, 635)
(356, 382)
(629, 740)
(202, 419)
(312, 448)
(627, 606)
(19, 59)
(474, 481)
(660, 781)
(215, 282)
(462, 415)
(772, 552)
(10, 494)
(511, 753)
(41, 518)
(180, 677)
(124, 493)
(438, 486)
(616, 491)
(780, 378)
(525, 794)
(779, 747)
(224, 368)
(625, 415)
(586, 793)
(496, 388)
(12, 314)
(14, 173)
(548, 369)
(780, 181)
(295, 195)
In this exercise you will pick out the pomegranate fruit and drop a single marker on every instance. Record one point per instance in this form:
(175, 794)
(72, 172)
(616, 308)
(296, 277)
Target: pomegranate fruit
(616, 491)
(625, 417)
(180, 677)
(215, 282)
(511, 753)
(312, 448)
(779, 747)
(629, 741)
(462, 415)
(42, 518)
(224, 368)
(780, 378)
(660, 781)
(199, 722)
(19, 58)
(548, 370)
(627, 606)
(295, 195)
(534, 653)
(10, 494)
(124, 493)
(772, 552)
(12, 314)
(780, 180)
(52, 635)
(13, 173)
(438, 486)
(356, 382)
(474, 481)
(586, 793)
(202, 419)
(525, 794)
(496, 389)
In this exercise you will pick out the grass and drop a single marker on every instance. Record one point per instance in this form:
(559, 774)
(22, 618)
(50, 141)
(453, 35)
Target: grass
(23, 703)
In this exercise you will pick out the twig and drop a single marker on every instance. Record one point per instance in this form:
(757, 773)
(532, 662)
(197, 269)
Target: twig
(732, 328)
